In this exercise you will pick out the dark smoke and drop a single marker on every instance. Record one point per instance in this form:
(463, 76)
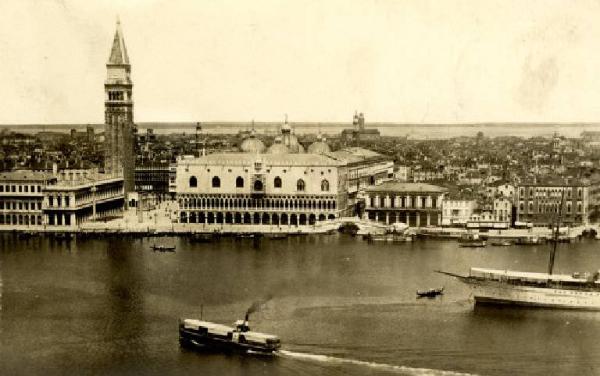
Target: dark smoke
(257, 305)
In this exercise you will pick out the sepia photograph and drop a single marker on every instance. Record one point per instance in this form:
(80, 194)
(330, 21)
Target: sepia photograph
(300, 187)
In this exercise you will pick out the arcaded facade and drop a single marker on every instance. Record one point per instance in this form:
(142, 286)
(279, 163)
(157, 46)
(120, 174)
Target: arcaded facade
(273, 189)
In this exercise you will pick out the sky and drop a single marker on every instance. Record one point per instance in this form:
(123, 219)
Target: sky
(405, 61)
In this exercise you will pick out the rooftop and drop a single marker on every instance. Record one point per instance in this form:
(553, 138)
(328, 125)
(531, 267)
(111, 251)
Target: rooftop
(245, 159)
(397, 186)
(24, 175)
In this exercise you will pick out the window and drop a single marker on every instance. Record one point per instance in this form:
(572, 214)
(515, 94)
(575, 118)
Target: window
(67, 201)
(277, 182)
(193, 182)
(239, 182)
(216, 182)
(325, 185)
(300, 185)
(50, 201)
(258, 185)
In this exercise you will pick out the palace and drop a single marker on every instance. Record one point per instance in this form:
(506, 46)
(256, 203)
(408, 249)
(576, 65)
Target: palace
(240, 188)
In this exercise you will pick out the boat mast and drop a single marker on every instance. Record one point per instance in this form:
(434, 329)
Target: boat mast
(556, 231)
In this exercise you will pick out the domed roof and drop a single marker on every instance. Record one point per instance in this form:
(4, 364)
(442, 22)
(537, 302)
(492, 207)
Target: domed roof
(252, 145)
(319, 147)
(278, 148)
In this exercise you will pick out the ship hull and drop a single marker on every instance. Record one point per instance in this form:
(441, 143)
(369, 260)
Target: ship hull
(498, 293)
(191, 340)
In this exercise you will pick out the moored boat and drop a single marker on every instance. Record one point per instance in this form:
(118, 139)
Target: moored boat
(528, 240)
(207, 335)
(502, 243)
(546, 290)
(471, 240)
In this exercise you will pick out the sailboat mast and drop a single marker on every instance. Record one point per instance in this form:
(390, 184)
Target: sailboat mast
(556, 231)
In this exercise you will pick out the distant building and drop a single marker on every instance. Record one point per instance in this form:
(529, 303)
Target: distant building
(152, 179)
(416, 204)
(358, 132)
(539, 201)
(119, 129)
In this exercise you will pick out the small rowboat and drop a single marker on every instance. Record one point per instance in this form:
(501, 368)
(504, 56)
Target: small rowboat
(163, 248)
(431, 293)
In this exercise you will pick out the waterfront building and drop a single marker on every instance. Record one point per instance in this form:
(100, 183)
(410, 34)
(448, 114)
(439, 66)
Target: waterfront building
(82, 196)
(365, 167)
(21, 197)
(503, 210)
(539, 201)
(416, 204)
(276, 189)
(457, 211)
(119, 129)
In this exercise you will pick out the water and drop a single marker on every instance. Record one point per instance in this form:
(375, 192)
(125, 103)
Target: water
(412, 131)
(341, 307)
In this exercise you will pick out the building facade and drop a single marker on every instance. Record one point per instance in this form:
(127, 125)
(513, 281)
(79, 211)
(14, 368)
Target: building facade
(457, 211)
(81, 198)
(273, 189)
(539, 203)
(415, 204)
(119, 129)
(21, 197)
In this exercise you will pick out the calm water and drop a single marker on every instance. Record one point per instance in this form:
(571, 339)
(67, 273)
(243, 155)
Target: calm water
(340, 305)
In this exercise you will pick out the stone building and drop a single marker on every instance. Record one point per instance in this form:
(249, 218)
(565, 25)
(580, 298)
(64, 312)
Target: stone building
(539, 202)
(80, 197)
(275, 189)
(416, 204)
(119, 129)
(21, 197)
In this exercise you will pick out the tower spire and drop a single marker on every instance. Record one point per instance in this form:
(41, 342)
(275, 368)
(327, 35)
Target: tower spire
(118, 52)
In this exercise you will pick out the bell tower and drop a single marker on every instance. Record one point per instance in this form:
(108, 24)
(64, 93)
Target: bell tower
(119, 129)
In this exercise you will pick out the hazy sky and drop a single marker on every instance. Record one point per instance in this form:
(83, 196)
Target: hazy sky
(398, 61)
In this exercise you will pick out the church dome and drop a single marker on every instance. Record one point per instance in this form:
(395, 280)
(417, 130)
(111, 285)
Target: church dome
(252, 145)
(278, 149)
(319, 147)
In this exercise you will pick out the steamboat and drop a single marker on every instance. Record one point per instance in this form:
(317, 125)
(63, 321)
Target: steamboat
(546, 290)
(205, 335)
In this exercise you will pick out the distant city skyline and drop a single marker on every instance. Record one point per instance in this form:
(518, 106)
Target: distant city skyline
(399, 62)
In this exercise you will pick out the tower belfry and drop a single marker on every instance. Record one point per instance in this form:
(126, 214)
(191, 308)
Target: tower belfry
(119, 129)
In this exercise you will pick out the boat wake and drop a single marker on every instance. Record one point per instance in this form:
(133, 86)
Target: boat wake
(403, 370)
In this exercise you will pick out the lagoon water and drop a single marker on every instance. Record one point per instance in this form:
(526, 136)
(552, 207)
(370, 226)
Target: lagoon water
(340, 305)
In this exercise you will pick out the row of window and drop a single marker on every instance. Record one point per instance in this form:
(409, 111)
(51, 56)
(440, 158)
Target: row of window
(59, 201)
(20, 188)
(258, 184)
(550, 192)
(403, 202)
(20, 220)
(552, 208)
(20, 205)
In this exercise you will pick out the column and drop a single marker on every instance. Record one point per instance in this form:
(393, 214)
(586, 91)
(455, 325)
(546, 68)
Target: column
(376, 216)
(418, 218)
(439, 218)
(387, 218)
(397, 217)
(428, 219)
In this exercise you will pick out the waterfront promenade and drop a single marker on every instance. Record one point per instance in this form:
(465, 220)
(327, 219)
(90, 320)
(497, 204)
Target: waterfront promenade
(162, 221)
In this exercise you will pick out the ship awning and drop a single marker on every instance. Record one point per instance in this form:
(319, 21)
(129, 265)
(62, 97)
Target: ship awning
(530, 276)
